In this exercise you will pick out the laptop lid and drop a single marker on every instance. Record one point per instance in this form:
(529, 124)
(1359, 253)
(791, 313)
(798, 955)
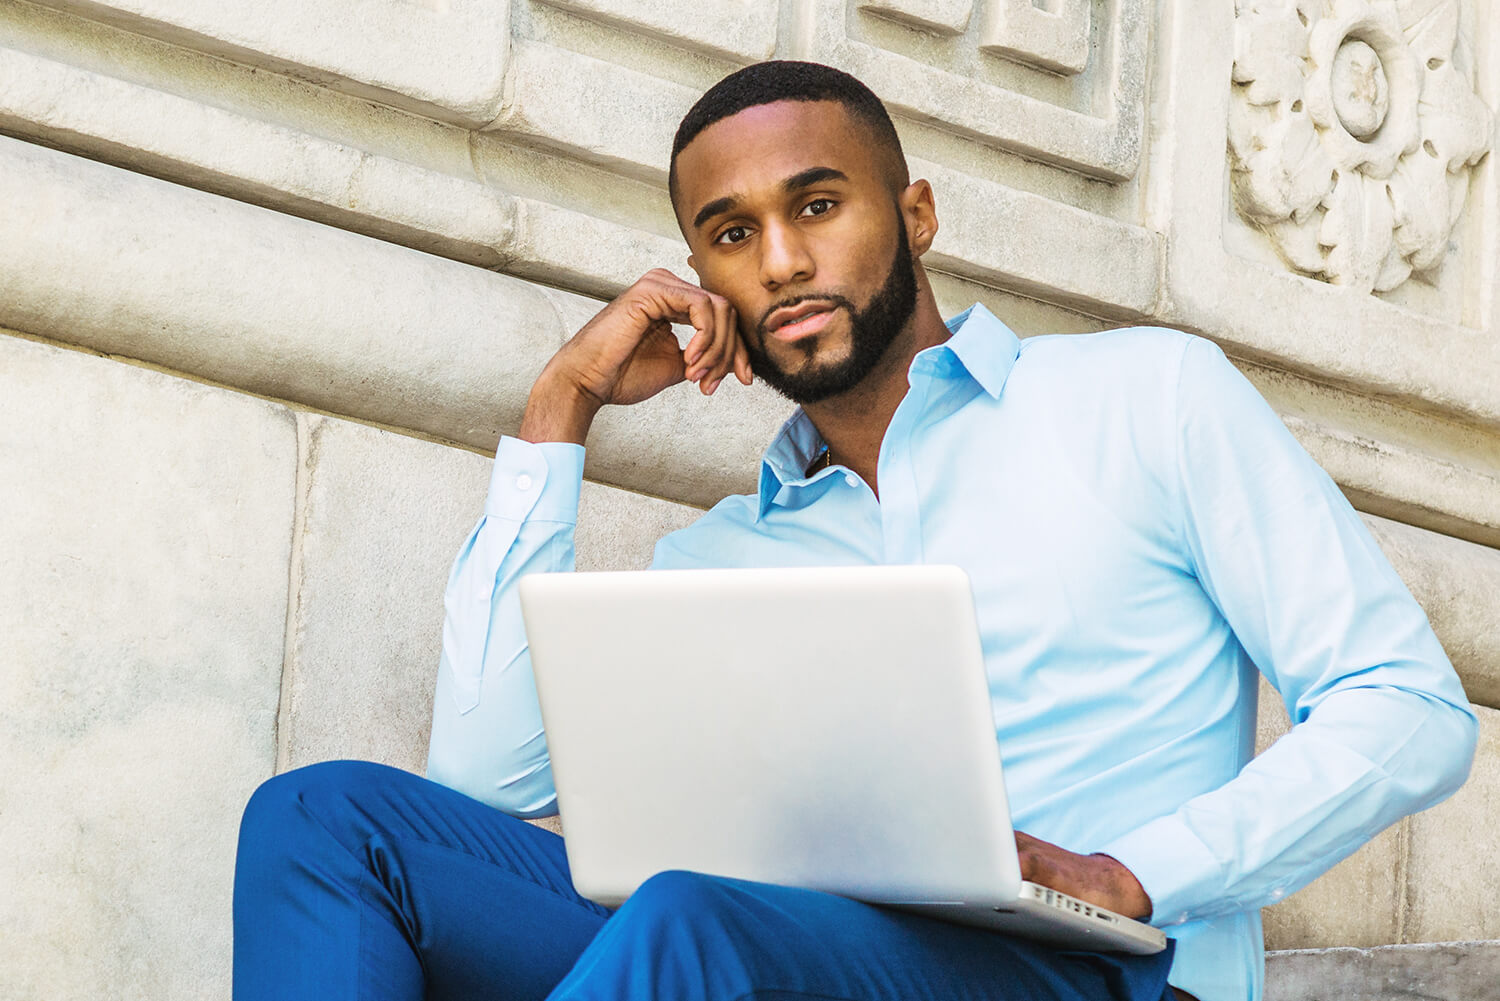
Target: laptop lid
(828, 728)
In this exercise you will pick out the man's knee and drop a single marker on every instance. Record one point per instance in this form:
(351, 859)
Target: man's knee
(688, 902)
(316, 801)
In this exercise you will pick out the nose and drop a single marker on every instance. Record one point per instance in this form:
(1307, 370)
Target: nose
(784, 257)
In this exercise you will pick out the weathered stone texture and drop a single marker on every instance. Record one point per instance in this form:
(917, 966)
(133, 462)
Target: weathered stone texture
(383, 516)
(1447, 971)
(145, 529)
(442, 57)
(1453, 885)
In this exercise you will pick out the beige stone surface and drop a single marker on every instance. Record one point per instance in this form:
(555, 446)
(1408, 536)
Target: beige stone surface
(444, 57)
(739, 30)
(1458, 585)
(595, 110)
(331, 319)
(1116, 277)
(940, 17)
(1356, 903)
(145, 527)
(382, 516)
(1053, 37)
(1453, 879)
(1088, 121)
(1451, 971)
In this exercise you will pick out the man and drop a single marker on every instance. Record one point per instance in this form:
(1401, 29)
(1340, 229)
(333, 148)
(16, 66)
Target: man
(1141, 533)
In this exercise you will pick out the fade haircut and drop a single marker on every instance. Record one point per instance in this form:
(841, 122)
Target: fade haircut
(789, 80)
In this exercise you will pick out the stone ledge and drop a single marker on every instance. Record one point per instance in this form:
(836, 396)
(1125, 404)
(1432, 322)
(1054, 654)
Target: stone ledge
(447, 60)
(332, 320)
(1438, 971)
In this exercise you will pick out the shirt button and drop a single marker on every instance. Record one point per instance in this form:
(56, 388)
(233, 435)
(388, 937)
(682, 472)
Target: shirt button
(523, 482)
(851, 479)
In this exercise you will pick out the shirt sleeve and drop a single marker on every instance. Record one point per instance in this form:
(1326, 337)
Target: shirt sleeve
(1381, 726)
(487, 739)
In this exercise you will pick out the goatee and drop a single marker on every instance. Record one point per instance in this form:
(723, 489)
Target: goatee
(872, 330)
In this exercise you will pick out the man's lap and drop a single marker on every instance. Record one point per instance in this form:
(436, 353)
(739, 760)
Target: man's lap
(486, 906)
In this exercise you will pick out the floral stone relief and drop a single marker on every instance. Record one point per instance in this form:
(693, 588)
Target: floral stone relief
(1352, 130)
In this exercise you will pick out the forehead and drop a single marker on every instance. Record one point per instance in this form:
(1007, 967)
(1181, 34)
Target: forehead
(752, 151)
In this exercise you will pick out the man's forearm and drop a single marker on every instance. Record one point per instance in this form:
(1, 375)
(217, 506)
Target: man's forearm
(557, 411)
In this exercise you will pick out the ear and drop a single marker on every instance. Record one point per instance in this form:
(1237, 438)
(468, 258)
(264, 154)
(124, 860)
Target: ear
(919, 213)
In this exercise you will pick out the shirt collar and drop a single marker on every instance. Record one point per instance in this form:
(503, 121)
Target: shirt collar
(980, 346)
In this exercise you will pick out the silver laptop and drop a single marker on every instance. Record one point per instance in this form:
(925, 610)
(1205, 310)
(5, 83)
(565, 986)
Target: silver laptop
(823, 728)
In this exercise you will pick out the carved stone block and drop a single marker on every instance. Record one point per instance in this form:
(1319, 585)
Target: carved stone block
(1087, 120)
(941, 17)
(1051, 39)
(1352, 132)
(740, 30)
(1350, 128)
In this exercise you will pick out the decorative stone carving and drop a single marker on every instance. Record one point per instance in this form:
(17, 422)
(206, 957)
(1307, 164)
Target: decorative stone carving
(1053, 38)
(1352, 130)
(1064, 85)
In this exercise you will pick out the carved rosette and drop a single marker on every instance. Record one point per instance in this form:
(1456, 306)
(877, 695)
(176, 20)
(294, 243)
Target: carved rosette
(1352, 130)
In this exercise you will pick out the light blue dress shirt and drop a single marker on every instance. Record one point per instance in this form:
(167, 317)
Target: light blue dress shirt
(1142, 534)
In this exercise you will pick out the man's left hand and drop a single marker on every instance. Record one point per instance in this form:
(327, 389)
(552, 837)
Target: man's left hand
(1097, 879)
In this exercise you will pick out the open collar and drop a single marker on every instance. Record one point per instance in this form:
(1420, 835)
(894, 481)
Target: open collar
(980, 348)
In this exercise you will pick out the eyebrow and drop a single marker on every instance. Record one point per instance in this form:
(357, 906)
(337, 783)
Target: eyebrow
(802, 179)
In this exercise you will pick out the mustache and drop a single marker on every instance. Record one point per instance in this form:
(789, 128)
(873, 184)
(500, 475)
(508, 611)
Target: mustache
(833, 298)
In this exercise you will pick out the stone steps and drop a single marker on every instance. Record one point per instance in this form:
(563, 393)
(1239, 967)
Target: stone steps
(1439, 971)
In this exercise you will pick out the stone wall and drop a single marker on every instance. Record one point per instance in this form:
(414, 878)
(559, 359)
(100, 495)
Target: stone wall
(274, 277)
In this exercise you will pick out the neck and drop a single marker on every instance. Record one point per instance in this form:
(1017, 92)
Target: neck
(854, 423)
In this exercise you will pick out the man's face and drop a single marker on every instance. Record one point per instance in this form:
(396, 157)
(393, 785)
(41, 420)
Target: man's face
(794, 219)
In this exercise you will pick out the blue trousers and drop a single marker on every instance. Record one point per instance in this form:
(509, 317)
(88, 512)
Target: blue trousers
(358, 882)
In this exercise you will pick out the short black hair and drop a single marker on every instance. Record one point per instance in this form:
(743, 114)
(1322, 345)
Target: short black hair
(786, 80)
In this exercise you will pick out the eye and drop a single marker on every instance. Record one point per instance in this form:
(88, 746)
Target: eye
(734, 234)
(818, 206)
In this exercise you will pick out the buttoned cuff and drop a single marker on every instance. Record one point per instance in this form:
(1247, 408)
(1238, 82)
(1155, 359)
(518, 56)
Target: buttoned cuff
(1173, 865)
(539, 481)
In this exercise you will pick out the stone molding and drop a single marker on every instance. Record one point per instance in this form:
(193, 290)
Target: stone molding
(1160, 246)
(133, 266)
(728, 29)
(1352, 133)
(1449, 971)
(368, 329)
(951, 92)
(463, 217)
(444, 58)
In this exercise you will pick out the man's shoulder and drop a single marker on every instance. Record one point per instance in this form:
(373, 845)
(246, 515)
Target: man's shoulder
(1122, 350)
(1127, 365)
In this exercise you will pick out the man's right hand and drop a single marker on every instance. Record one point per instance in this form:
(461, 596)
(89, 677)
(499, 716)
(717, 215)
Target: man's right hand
(628, 353)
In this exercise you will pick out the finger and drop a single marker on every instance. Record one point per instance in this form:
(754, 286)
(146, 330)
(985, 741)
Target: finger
(742, 363)
(708, 362)
(721, 354)
(668, 297)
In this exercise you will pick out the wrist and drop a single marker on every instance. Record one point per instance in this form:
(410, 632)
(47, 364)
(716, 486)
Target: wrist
(558, 410)
(1129, 895)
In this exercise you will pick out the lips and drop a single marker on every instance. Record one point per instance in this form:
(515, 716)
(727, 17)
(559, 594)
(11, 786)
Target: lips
(792, 323)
